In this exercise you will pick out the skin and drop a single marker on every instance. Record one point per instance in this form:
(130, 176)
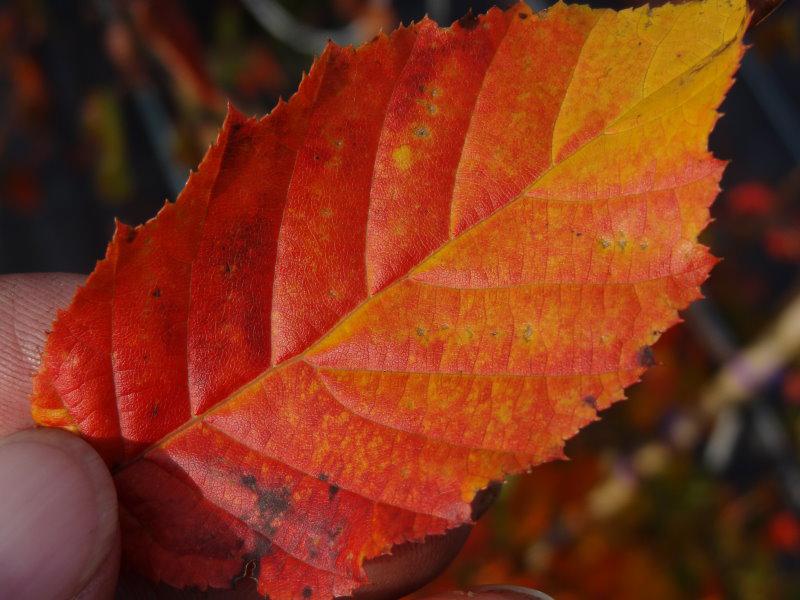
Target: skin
(59, 530)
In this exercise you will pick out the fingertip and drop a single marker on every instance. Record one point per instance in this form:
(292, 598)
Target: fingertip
(411, 565)
(28, 305)
(59, 533)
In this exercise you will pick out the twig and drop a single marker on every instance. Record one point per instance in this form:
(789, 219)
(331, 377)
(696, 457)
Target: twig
(155, 118)
(750, 371)
(299, 36)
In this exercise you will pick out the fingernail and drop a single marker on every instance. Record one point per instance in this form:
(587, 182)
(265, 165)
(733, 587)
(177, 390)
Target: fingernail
(508, 592)
(58, 514)
(493, 592)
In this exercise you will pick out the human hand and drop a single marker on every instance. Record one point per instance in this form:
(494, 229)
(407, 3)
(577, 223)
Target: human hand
(59, 530)
(59, 535)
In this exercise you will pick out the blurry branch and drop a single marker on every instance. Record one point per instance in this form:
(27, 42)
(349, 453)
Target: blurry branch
(773, 100)
(762, 9)
(157, 124)
(743, 376)
(168, 35)
(161, 133)
(754, 368)
(438, 10)
(304, 38)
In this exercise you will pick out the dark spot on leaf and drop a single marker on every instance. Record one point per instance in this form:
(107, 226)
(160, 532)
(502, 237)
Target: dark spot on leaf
(154, 411)
(590, 401)
(156, 293)
(249, 481)
(523, 15)
(307, 591)
(332, 491)
(273, 502)
(131, 235)
(335, 532)
(527, 333)
(645, 357)
(227, 268)
(322, 477)
(469, 20)
(422, 131)
(420, 331)
(316, 157)
(263, 547)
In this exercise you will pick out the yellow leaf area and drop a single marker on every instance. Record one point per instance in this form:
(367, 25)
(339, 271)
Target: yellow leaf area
(430, 268)
(509, 337)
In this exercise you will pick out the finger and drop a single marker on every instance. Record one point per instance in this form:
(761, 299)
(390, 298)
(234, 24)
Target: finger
(59, 536)
(493, 592)
(28, 305)
(412, 565)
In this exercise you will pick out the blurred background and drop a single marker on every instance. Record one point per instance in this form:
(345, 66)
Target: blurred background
(689, 490)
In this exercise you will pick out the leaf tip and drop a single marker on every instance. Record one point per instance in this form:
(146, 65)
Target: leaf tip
(234, 118)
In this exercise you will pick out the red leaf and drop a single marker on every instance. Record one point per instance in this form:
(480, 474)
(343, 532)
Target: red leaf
(425, 272)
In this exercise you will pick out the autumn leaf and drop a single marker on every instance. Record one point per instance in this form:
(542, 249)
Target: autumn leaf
(424, 272)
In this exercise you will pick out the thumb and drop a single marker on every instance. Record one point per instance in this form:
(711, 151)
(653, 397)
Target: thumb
(59, 536)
